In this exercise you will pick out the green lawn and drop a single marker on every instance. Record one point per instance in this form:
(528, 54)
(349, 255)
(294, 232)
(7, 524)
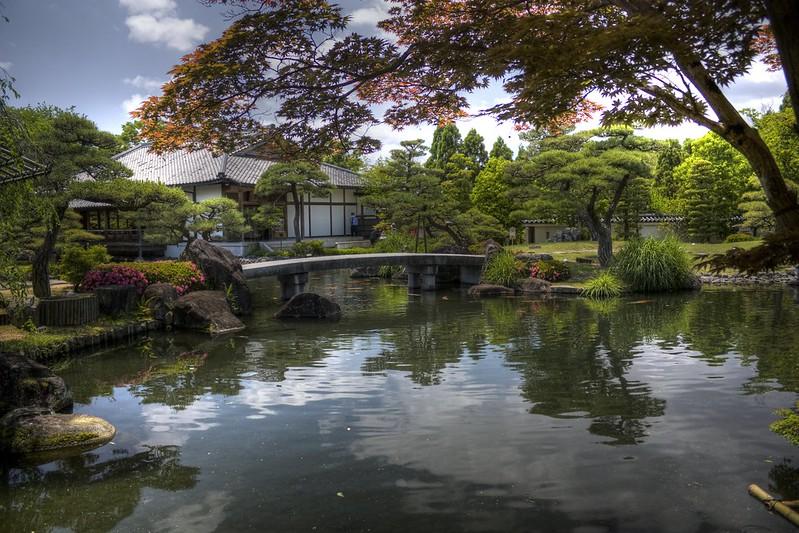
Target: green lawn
(573, 250)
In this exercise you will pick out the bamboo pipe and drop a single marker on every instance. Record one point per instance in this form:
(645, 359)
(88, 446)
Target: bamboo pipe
(776, 505)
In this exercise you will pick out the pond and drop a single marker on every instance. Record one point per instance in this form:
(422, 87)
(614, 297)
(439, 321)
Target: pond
(437, 412)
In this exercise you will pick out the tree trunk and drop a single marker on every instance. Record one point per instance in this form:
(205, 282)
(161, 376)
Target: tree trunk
(784, 18)
(40, 272)
(779, 198)
(604, 239)
(297, 214)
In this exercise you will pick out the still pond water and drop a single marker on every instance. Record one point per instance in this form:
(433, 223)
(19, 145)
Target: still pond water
(437, 413)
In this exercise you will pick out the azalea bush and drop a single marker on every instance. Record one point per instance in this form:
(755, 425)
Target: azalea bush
(185, 276)
(115, 275)
(550, 270)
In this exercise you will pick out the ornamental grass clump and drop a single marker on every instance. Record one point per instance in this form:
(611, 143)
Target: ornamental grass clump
(654, 265)
(504, 269)
(603, 287)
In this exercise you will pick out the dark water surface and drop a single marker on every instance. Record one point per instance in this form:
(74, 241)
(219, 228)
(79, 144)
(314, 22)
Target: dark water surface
(437, 413)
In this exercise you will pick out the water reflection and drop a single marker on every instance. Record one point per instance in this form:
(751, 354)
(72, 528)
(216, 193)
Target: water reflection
(86, 493)
(443, 413)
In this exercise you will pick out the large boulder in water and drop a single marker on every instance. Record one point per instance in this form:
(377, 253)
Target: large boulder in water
(159, 298)
(534, 286)
(26, 383)
(485, 290)
(222, 272)
(34, 429)
(309, 305)
(207, 311)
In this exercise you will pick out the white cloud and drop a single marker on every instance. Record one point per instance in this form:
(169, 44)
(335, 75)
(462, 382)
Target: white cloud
(133, 102)
(156, 21)
(143, 82)
(161, 7)
(369, 16)
(6, 65)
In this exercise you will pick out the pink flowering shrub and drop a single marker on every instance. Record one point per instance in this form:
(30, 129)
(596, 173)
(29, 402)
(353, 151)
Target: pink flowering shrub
(550, 270)
(184, 275)
(115, 275)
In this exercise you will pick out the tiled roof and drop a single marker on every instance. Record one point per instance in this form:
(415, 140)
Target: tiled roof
(86, 204)
(183, 167)
(642, 218)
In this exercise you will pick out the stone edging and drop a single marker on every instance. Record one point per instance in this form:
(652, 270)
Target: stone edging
(112, 336)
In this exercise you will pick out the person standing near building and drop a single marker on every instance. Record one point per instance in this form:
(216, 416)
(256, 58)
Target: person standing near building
(353, 224)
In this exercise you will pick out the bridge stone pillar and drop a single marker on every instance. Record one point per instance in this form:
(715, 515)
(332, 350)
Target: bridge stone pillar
(292, 284)
(422, 277)
(470, 275)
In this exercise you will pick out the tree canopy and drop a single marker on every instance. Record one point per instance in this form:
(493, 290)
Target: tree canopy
(660, 62)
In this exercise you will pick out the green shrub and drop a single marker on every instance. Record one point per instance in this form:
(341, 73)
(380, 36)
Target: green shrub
(255, 250)
(604, 286)
(76, 261)
(740, 237)
(550, 270)
(395, 241)
(653, 265)
(788, 424)
(504, 269)
(306, 248)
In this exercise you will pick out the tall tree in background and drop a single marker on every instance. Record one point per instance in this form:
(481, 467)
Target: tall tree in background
(71, 145)
(500, 150)
(666, 186)
(490, 192)
(446, 142)
(474, 148)
(292, 181)
(413, 197)
(658, 62)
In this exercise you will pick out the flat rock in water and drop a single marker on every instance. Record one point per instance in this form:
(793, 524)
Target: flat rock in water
(31, 430)
(26, 383)
(309, 305)
(485, 290)
(207, 311)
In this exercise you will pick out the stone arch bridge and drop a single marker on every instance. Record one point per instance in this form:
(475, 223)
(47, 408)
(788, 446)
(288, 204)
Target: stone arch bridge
(422, 268)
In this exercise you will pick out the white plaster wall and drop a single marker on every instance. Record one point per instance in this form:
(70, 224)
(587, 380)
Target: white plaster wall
(207, 192)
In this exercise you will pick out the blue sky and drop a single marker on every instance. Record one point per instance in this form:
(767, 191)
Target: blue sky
(104, 56)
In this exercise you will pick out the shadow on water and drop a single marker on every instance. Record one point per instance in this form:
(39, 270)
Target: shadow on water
(438, 412)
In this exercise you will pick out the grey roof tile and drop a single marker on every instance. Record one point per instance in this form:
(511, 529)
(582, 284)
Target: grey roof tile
(183, 167)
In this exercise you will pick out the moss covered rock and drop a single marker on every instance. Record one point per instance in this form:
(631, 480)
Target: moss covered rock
(26, 383)
(34, 429)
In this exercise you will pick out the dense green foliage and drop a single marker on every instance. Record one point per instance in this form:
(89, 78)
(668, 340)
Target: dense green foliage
(500, 150)
(739, 237)
(474, 148)
(446, 143)
(412, 198)
(603, 286)
(76, 261)
(504, 269)
(490, 192)
(654, 265)
(788, 424)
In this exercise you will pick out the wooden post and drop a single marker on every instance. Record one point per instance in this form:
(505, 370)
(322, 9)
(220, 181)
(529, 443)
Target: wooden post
(776, 505)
